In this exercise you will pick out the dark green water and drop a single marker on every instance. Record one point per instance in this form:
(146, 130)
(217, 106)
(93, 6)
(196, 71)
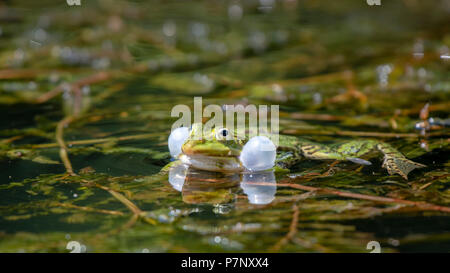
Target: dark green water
(339, 70)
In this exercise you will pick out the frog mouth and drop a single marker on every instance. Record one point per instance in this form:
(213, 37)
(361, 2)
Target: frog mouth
(212, 163)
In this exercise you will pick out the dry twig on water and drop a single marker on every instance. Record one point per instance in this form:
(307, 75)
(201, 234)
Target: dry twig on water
(63, 152)
(62, 145)
(292, 230)
(99, 77)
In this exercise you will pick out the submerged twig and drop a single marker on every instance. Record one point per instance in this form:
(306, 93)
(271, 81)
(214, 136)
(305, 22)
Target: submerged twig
(8, 74)
(130, 205)
(62, 145)
(357, 133)
(421, 205)
(89, 209)
(99, 77)
(292, 230)
(310, 116)
(291, 235)
(65, 158)
(312, 79)
(138, 213)
(431, 181)
(96, 141)
(11, 139)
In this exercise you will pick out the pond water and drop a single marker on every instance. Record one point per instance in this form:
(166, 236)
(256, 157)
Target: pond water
(86, 94)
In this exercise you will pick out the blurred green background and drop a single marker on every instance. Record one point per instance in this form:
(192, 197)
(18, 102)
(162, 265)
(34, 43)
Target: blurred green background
(103, 77)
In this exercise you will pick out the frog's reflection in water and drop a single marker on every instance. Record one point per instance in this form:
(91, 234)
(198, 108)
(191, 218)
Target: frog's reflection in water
(218, 188)
(260, 187)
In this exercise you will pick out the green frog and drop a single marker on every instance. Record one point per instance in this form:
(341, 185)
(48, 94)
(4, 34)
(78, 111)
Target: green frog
(218, 150)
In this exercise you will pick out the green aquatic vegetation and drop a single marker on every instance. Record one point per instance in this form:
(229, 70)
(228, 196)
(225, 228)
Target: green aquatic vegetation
(192, 83)
(86, 117)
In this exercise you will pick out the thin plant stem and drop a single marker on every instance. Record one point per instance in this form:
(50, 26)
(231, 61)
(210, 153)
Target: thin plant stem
(62, 145)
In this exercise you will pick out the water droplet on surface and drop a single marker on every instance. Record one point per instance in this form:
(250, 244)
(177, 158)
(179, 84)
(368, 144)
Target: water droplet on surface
(422, 72)
(418, 49)
(235, 12)
(393, 242)
(257, 41)
(317, 98)
(266, 5)
(199, 30)
(169, 28)
(101, 63)
(383, 72)
(222, 209)
(40, 35)
(86, 90)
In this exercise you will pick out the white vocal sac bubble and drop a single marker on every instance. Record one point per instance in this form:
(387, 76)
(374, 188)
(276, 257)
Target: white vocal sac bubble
(176, 140)
(258, 154)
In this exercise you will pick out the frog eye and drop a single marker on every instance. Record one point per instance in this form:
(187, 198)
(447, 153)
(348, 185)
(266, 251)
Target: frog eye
(222, 133)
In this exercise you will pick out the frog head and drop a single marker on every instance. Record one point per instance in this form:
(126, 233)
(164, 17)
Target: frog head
(213, 150)
(215, 142)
